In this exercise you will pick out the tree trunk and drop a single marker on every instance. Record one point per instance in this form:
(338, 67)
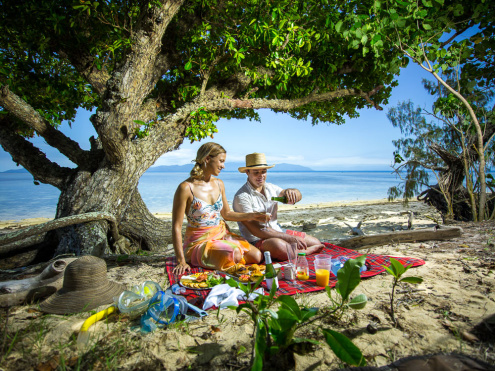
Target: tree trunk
(112, 190)
(148, 232)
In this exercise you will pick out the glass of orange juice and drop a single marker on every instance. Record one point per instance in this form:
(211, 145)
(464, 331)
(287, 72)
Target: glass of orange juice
(323, 266)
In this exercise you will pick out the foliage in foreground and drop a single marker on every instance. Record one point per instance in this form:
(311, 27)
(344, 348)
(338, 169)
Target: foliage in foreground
(397, 270)
(275, 329)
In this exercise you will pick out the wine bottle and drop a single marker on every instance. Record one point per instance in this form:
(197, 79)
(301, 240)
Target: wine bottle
(282, 199)
(270, 273)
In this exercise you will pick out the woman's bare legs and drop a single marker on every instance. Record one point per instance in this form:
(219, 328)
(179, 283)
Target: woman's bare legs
(251, 257)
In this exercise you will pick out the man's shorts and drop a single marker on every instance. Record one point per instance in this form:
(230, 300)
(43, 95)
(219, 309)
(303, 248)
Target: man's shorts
(287, 231)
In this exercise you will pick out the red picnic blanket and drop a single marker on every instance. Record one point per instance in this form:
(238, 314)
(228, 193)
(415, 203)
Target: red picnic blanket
(373, 264)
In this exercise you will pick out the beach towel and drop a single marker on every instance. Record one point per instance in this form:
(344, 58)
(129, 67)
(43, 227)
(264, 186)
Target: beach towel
(374, 265)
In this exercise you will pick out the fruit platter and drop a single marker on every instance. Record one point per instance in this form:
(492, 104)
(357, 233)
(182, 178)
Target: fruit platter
(246, 273)
(201, 281)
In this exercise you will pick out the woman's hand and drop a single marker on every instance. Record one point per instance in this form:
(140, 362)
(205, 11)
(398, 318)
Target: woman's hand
(181, 268)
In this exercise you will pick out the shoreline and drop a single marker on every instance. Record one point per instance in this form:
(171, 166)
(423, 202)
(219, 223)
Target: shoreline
(21, 223)
(328, 216)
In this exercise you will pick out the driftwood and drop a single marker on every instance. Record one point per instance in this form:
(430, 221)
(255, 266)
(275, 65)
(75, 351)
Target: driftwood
(17, 292)
(441, 233)
(7, 241)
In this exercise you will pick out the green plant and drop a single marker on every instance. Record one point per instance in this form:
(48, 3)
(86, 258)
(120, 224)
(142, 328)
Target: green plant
(348, 278)
(275, 330)
(396, 269)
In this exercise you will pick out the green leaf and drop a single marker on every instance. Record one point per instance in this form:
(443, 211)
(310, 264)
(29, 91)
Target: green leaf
(305, 340)
(232, 283)
(358, 302)
(259, 346)
(397, 267)
(188, 66)
(426, 26)
(289, 303)
(338, 26)
(307, 313)
(413, 280)
(344, 348)
(390, 271)
(348, 277)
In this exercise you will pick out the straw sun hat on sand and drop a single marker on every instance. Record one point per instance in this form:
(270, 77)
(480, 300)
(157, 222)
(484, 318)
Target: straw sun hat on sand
(85, 287)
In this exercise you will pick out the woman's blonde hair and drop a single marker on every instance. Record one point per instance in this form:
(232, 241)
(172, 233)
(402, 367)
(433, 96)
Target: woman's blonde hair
(209, 149)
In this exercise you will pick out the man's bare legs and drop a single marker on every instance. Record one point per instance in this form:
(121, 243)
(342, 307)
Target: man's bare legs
(278, 247)
(313, 245)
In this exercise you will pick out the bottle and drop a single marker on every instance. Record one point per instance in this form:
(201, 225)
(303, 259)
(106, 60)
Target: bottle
(282, 199)
(270, 273)
(302, 267)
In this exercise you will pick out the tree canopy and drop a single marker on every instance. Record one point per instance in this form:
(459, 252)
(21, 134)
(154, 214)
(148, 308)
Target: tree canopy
(157, 72)
(226, 57)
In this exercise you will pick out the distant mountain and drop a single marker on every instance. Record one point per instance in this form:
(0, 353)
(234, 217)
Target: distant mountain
(230, 166)
(16, 171)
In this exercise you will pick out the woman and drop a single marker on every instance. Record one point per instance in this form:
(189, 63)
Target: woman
(207, 242)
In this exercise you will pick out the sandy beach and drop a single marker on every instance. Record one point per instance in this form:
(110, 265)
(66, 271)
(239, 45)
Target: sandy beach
(451, 311)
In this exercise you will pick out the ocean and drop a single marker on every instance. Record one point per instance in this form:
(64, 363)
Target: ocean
(20, 198)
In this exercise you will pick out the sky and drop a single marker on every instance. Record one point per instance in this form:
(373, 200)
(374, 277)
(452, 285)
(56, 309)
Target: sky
(363, 143)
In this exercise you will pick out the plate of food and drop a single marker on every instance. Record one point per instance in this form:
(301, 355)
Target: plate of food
(201, 281)
(246, 273)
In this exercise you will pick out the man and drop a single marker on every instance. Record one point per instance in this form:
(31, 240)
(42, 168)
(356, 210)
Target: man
(254, 197)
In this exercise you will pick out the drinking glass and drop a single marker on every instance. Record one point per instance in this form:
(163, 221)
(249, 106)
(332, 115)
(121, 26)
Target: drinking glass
(323, 266)
(292, 258)
(269, 206)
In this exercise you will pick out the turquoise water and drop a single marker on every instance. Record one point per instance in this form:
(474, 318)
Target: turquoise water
(21, 199)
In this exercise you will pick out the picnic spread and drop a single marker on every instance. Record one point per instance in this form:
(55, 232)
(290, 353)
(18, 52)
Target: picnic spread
(374, 266)
(86, 287)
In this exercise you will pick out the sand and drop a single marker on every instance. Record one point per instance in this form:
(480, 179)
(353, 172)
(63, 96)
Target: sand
(443, 314)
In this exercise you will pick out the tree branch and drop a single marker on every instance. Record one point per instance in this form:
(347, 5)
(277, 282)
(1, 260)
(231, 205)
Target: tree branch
(288, 104)
(83, 62)
(131, 83)
(161, 132)
(206, 76)
(453, 37)
(31, 158)
(55, 138)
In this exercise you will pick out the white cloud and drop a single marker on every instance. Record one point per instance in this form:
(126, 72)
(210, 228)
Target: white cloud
(177, 157)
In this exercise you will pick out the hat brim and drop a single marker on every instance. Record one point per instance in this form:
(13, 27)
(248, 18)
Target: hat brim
(244, 168)
(70, 302)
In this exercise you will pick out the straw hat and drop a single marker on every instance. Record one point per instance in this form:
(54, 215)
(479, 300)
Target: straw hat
(85, 287)
(255, 161)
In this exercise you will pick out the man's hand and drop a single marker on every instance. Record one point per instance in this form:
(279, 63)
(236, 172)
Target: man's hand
(261, 217)
(301, 244)
(293, 195)
(181, 268)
